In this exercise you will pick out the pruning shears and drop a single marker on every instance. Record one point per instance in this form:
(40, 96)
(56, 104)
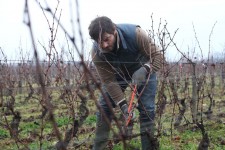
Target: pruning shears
(131, 106)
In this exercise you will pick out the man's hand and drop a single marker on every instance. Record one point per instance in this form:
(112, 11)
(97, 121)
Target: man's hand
(127, 128)
(124, 108)
(140, 75)
(126, 114)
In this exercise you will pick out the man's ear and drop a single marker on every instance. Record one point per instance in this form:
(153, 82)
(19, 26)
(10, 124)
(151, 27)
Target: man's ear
(114, 27)
(115, 33)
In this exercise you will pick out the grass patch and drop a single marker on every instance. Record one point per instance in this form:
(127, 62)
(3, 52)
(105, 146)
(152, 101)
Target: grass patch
(90, 120)
(3, 133)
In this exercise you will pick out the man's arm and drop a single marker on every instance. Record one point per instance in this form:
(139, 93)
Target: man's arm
(148, 48)
(107, 76)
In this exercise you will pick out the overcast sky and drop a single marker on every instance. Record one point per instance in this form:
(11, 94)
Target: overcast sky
(182, 14)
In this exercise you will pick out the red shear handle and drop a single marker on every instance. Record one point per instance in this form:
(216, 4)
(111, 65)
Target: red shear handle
(131, 104)
(132, 98)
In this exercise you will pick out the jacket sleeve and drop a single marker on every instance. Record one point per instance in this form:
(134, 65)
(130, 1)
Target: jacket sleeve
(150, 49)
(107, 76)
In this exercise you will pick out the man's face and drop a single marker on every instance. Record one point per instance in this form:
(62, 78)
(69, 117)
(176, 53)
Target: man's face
(107, 42)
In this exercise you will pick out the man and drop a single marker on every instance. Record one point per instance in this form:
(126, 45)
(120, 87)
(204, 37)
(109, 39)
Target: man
(123, 53)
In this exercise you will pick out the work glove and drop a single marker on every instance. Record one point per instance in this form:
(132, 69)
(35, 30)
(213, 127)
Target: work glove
(140, 75)
(127, 128)
(124, 110)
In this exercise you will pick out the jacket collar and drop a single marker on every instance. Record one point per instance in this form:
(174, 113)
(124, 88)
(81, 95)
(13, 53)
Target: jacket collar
(120, 37)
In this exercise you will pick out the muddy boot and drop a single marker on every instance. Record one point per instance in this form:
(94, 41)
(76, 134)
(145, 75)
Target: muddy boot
(148, 140)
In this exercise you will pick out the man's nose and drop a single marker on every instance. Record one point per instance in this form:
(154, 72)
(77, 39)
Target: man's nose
(105, 45)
